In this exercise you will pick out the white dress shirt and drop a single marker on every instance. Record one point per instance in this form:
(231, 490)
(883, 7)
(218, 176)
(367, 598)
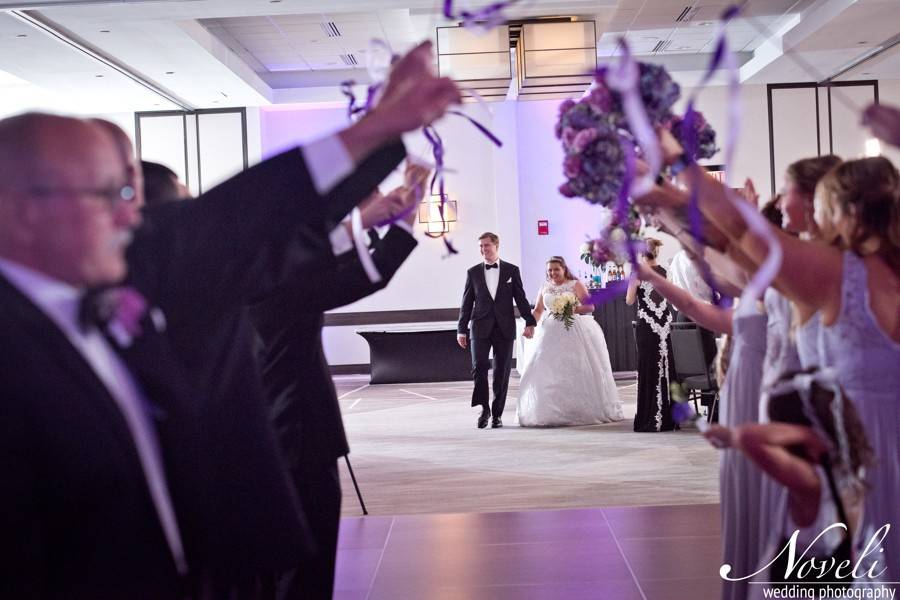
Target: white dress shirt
(60, 302)
(492, 278)
(684, 273)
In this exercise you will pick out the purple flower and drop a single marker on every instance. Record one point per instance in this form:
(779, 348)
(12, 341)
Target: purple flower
(704, 135)
(566, 105)
(568, 136)
(131, 307)
(572, 166)
(683, 412)
(566, 190)
(584, 138)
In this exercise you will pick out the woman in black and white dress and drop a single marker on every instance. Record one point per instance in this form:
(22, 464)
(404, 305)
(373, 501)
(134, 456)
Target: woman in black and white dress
(654, 349)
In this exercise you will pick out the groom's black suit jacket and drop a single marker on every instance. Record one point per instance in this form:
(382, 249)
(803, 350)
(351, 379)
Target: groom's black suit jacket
(303, 403)
(76, 518)
(484, 311)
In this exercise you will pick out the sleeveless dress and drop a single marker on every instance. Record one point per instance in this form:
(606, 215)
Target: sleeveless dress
(867, 362)
(807, 336)
(743, 535)
(567, 378)
(655, 360)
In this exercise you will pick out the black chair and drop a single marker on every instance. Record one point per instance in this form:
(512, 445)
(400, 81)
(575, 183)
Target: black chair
(691, 368)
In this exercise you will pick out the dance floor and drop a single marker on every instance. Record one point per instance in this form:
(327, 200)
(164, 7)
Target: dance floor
(630, 553)
(595, 512)
(415, 449)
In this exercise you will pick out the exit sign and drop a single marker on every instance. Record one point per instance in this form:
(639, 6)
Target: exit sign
(543, 227)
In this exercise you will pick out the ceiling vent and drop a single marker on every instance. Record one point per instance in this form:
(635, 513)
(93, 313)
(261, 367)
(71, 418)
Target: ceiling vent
(686, 15)
(330, 29)
(349, 60)
(662, 45)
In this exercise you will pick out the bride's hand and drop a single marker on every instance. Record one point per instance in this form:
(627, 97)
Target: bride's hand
(529, 332)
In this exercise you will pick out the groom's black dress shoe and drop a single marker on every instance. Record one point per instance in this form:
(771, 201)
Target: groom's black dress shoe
(496, 423)
(483, 419)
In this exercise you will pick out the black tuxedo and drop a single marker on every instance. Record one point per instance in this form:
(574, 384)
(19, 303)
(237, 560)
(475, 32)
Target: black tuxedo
(76, 514)
(277, 228)
(493, 325)
(77, 517)
(303, 403)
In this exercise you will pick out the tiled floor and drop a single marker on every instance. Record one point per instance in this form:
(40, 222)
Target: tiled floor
(630, 553)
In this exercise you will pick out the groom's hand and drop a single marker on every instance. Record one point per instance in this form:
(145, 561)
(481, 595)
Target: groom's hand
(462, 340)
(529, 331)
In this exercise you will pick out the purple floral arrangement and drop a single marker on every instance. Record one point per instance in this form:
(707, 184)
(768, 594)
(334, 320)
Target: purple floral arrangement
(704, 135)
(590, 131)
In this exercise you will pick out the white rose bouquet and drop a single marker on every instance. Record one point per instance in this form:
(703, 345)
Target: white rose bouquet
(563, 308)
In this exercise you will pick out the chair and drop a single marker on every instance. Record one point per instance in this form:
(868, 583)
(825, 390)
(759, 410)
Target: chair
(691, 369)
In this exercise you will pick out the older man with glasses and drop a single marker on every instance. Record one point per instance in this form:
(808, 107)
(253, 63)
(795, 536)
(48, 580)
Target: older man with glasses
(102, 451)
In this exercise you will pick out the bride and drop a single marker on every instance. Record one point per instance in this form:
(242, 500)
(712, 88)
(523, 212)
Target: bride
(566, 375)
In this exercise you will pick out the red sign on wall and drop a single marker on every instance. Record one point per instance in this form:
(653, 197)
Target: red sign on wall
(543, 227)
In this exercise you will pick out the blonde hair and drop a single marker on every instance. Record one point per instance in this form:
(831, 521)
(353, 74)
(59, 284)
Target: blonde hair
(865, 194)
(490, 236)
(561, 262)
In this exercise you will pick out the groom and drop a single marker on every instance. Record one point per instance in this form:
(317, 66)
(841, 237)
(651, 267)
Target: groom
(491, 288)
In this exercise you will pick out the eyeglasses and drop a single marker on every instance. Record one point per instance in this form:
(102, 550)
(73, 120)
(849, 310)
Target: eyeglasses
(113, 196)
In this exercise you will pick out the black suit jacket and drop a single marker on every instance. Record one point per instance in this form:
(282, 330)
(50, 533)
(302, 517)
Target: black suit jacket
(484, 311)
(203, 261)
(76, 516)
(77, 520)
(303, 403)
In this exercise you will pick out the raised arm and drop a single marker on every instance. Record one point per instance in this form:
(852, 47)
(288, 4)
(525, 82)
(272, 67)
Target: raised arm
(769, 446)
(810, 272)
(631, 293)
(703, 313)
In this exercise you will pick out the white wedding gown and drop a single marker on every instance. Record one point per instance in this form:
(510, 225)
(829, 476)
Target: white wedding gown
(566, 375)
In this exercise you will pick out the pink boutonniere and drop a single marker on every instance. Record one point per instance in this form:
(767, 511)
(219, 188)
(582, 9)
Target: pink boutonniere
(122, 311)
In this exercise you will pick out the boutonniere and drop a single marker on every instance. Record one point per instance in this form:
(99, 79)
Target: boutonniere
(122, 311)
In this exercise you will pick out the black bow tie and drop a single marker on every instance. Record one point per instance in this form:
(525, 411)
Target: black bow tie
(493, 266)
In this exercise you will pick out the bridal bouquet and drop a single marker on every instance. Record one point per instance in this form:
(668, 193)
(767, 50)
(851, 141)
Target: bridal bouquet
(704, 135)
(563, 308)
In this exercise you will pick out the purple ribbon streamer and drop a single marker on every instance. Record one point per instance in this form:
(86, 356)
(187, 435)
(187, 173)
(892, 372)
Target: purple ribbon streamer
(479, 126)
(483, 19)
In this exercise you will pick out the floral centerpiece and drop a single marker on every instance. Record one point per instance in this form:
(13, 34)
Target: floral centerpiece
(563, 308)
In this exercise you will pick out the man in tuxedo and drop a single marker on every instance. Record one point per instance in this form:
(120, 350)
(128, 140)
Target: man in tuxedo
(302, 398)
(102, 449)
(492, 287)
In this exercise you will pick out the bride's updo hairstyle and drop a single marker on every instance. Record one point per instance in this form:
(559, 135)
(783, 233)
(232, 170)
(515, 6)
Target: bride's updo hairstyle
(559, 260)
(858, 208)
(652, 250)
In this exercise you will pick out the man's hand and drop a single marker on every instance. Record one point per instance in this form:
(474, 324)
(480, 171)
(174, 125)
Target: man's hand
(463, 340)
(749, 193)
(671, 148)
(377, 208)
(413, 96)
(529, 331)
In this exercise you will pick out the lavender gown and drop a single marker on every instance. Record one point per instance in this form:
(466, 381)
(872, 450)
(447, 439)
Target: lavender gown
(867, 362)
(739, 479)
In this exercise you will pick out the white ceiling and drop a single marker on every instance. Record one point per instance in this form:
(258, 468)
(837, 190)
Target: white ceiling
(213, 53)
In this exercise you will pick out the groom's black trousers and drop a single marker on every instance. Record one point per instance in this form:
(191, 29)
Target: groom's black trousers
(481, 348)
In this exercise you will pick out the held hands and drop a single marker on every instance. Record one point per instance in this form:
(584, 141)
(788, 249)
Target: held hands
(529, 331)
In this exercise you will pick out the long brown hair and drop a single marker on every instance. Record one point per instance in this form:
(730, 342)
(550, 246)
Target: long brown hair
(865, 192)
(807, 172)
(562, 262)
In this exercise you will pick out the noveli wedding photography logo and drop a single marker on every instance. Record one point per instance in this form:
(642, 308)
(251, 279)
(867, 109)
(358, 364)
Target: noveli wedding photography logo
(796, 571)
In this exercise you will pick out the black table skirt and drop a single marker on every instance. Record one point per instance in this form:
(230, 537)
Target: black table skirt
(615, 318)
(417, 356)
